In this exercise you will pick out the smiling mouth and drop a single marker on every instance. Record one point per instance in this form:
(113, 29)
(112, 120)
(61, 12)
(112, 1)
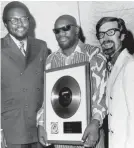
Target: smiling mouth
(63, 39)
(20, 29)
(108, 45)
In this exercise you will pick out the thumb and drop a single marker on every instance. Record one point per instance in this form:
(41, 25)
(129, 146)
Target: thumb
(42, 140)
(45, 136)
(85, 135)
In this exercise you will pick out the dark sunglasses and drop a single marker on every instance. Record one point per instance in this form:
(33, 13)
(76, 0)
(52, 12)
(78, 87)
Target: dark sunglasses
(64, 28)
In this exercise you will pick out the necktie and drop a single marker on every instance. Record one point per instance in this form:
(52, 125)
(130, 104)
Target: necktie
(22, 48)
(109, 66)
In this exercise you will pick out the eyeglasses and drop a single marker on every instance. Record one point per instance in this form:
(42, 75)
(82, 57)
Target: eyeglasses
(109, 32)
(64, 28)
(15, 21)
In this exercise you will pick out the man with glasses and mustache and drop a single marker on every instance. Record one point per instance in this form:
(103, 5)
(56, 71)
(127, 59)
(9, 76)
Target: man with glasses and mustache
(111, 33)
(22, 73)
(72, 51)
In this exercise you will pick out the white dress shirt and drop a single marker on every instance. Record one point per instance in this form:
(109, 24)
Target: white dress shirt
(17, 42)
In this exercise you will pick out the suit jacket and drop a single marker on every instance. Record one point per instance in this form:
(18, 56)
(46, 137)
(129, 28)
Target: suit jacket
(120, 100)
(22, 81)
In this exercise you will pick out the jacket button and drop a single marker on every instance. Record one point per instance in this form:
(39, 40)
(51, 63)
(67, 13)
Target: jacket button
(24, 89)
(112, 132)
(21, 73)
(110, 114)
(38, 89)
(26, 105)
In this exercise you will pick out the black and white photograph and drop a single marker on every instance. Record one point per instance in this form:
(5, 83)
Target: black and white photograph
(67, 74)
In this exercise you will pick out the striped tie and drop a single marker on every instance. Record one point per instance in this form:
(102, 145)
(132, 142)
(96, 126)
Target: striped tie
(22, 48)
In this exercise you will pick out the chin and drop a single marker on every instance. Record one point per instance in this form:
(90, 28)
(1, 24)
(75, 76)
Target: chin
(63, 46)
(21, 37)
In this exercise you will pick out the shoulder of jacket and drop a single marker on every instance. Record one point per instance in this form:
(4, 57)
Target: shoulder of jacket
(130, 63)
(2, 43)
(37, 41)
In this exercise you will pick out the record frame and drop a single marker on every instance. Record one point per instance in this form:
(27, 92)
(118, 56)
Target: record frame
(84, 80)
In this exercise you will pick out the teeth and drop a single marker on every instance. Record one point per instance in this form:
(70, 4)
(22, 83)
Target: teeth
(63, 39)
(108, 45)
(20, 29)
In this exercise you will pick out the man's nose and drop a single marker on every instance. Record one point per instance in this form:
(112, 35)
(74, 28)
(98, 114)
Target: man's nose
(62, 32)
(106, 37)
(19, 23)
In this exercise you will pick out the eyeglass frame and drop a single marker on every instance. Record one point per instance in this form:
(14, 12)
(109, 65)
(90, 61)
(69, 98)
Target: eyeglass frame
(63, 28)
(106, 32)
(17, 20)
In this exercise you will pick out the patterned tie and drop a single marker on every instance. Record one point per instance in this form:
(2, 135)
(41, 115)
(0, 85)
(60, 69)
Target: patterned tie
(109, 65)
(22, 48)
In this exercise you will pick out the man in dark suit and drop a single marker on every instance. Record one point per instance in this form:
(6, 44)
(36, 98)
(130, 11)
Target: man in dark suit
(22, 75)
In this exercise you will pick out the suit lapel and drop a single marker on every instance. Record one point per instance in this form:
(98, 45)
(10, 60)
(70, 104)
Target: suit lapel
(122, 59)
(32, 50)
(14, 52)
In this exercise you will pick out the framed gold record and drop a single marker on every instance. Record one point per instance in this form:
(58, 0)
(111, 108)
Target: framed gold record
(66, 97)
(67, 103)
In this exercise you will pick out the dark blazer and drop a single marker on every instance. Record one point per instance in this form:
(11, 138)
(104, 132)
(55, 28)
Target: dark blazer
(22, 80)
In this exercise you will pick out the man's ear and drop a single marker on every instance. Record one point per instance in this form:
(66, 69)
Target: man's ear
(5, 25)
(77, 30)
(122, 37)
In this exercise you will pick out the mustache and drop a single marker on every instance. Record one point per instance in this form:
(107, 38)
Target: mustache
(106, 42)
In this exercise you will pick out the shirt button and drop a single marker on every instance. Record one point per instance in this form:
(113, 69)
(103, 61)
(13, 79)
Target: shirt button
(26, 105)
(111, 98)
(21, 73)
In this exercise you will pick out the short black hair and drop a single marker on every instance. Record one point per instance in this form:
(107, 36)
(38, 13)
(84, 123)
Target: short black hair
(121, 24)
(11, 5)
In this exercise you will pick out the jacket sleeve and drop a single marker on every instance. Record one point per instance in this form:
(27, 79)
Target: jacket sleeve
(40, 116)
(40, 113)
(98, 73)
(129, 95)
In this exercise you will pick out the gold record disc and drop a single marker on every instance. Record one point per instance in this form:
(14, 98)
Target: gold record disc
(66, 97)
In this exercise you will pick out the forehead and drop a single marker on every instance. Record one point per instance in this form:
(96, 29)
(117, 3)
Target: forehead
(62, 22)
(16, 12)
(108, 25)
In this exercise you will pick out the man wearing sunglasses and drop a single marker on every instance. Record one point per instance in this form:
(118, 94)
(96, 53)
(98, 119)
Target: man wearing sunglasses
(72, 51)
(22, 72)
(111, 33)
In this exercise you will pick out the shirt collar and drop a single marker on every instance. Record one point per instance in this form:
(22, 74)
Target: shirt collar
(17, 42)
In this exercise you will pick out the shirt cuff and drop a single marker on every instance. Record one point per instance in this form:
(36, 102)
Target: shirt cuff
(98, 117)
(41, 123)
